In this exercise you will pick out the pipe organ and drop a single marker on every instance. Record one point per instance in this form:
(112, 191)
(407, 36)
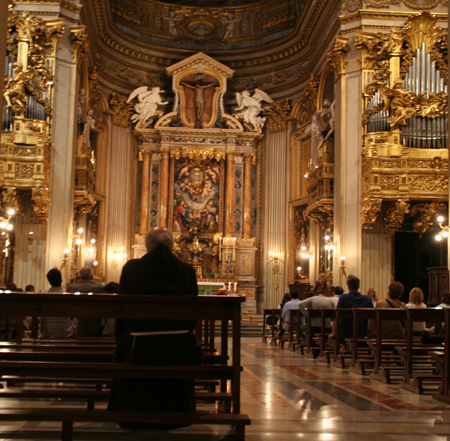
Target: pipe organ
(405, 105)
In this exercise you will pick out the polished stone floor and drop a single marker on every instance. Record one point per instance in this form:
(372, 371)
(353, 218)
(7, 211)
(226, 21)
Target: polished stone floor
(287, 397)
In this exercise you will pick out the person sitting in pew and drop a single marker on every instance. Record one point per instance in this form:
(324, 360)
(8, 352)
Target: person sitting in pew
(354, 299)
(57, 327)
(393, 328)
(416, 302)
(319, 301)
(286, 316)
(156, 342)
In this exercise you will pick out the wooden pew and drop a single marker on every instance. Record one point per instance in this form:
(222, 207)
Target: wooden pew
(419, 365)
(326, 348)
(273, 328)
(340, 360)
(360, 361)
(386, 365)
(208, 308)
(443, 362)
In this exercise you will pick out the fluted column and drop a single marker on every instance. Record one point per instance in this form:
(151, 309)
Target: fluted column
(164, 194)
(143, 225)
(229, 195)
(247, 232)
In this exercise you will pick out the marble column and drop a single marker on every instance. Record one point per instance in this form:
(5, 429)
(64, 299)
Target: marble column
(229, 195)
(164, 194)
(247, 232)
(143, 225)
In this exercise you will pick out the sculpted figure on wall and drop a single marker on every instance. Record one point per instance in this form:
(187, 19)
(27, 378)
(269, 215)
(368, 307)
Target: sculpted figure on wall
(147, 106)
(251, 108)
(322, 123)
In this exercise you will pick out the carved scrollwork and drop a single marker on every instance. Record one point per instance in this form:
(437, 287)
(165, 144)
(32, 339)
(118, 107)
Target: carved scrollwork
(79, 42)
(426, 213)
(396, 215)
(370, 207)
(10, 199)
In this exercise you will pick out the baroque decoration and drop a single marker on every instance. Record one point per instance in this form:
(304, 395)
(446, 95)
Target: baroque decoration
(405, 124)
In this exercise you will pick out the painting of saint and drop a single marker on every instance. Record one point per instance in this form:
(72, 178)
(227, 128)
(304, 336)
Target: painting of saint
(196, 195)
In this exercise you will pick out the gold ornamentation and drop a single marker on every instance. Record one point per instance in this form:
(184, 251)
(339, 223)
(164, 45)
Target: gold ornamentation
(146, 155)
(41, 201)
(429, 183)
(381, 3)
(249, 158)
(421, 4)
(277, 113)
(197, 153)
(401, 103)
(308, 104)
(370, 208)
(10, 199)
(351, 5)
(389, 182)
(79, 41)
(369, 45)
(24, 171)
(396, 215)
(337, 55)
(121, 110)
(422, 28)
(427, 212)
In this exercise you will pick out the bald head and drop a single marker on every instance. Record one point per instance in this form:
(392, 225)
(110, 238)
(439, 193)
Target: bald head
(85, 273)
(159, 235)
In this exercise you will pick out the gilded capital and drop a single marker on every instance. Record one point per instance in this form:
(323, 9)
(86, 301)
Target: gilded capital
(164, 153)
(146, 155)
(337, 55)
(370, 207)
(121, 110)
(41, 201)
(249, 158)
(79, 42)
(277, 113)
(230, 155)
(10, 199)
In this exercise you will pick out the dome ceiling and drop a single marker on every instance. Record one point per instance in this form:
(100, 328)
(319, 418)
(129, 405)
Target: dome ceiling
(272, 45)
(191, 25)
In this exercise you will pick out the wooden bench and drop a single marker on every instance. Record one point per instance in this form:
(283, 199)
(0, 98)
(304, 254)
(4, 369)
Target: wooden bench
(443, 364)
(415, 354)
(270, 331)
(206, 308)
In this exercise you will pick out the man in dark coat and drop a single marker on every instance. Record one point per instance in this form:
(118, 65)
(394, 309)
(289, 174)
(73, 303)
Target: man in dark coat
(156, 342)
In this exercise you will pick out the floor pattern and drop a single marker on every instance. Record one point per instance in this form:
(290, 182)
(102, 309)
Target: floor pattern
(287, 397)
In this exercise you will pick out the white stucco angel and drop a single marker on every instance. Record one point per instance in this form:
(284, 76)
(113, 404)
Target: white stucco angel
(251, 107)
(147, 106)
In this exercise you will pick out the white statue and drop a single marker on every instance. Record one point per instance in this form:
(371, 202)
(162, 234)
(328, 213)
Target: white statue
(251, 107)
(147, 106)
(322, 123)
(230, 21)
(89, 124)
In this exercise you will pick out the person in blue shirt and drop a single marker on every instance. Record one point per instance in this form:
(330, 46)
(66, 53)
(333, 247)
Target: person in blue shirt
(354, 299)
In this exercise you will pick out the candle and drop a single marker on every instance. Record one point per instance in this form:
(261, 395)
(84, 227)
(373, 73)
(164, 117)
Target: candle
(235, 286)
(229, 286)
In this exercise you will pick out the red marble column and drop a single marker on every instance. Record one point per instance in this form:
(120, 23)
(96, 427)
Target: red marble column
(247, 230)
(229, 195)
(164, 193)
(145, 190)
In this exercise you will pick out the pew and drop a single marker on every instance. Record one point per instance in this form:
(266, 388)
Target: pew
(340, 360)
(205, 308)
(272, 329)
(442, 359)
(419, 365)
(386, 364)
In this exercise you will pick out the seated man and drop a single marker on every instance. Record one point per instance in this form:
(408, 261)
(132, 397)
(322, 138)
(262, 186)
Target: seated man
(319, 301)
(354, 299)
(156, 342)
(286, 316)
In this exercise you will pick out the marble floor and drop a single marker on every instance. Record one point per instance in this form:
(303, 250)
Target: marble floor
(287, 397)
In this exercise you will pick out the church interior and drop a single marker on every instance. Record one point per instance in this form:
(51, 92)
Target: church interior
(285, 143)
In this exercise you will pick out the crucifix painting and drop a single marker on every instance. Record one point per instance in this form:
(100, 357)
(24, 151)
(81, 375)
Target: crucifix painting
(199, 109)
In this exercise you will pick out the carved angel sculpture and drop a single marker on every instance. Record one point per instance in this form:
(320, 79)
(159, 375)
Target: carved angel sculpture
(251, 107)
(147, 106)
(402, 103)
(15, 90)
